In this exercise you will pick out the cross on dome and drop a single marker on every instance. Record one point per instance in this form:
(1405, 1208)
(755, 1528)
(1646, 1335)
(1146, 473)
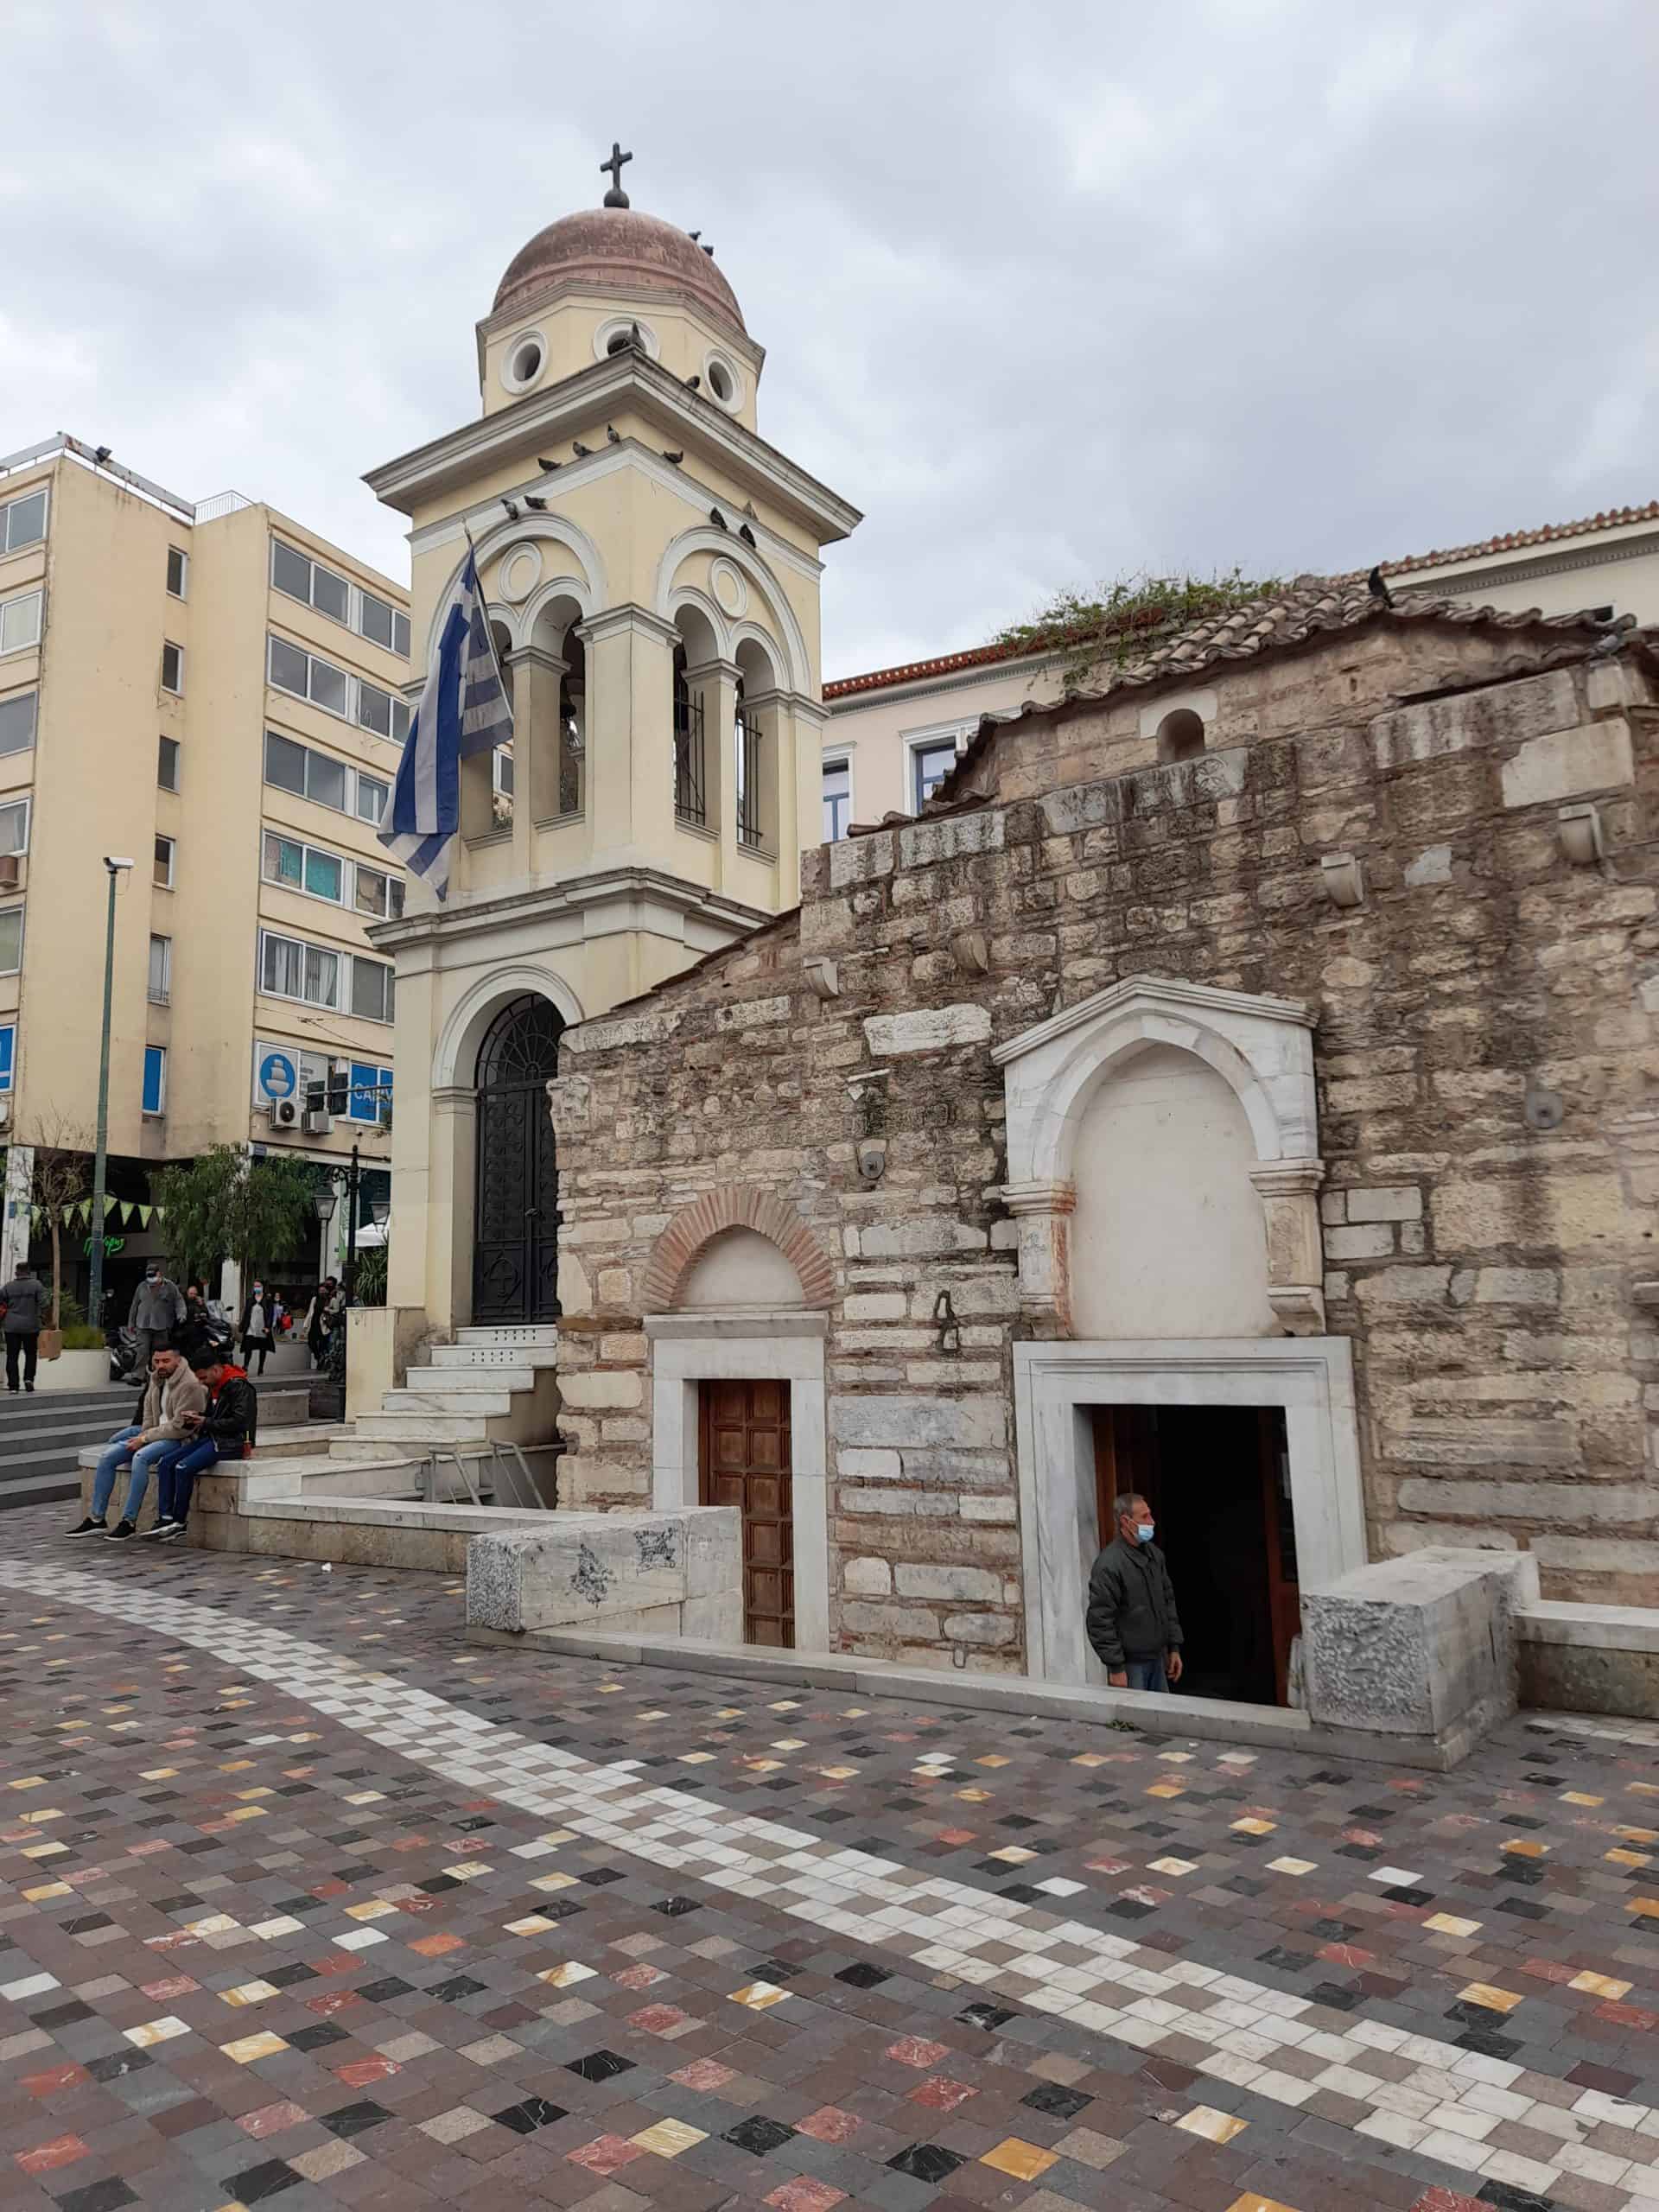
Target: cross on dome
(613, 168)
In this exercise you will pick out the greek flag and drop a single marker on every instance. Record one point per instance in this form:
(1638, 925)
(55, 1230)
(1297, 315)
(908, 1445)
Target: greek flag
(462, 710)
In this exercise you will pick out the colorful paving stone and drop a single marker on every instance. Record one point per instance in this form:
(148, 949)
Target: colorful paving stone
(501, 1930)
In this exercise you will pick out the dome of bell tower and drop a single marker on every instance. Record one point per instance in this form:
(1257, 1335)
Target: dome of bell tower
(622, 250)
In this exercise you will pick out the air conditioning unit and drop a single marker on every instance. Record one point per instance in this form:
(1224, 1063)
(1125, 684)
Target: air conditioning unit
(285, 1114)
(317, 1124)
(11, 871)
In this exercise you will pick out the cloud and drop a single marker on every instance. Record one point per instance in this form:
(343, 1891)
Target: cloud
(1050, 294)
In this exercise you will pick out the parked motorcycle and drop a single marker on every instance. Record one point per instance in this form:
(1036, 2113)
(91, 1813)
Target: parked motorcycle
(123, 1345)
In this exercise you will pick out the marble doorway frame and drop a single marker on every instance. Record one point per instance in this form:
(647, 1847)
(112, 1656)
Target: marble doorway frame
(1054, 1384)
(688, 1349)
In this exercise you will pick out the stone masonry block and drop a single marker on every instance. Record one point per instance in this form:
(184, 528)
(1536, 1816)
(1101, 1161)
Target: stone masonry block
(957, 1583)
(929, 1029)
(1374, 1241)
(1420, 1646)
(1568, 763)
(589, 1568)
(895, 1420)
(1399, 1202)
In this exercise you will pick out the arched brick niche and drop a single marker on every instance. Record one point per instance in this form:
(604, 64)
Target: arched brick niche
(734, 1205)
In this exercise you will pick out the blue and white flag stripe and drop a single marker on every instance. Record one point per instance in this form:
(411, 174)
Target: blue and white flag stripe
(463, 709)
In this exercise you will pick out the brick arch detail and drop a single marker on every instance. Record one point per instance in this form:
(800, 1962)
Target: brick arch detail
(734, 1205)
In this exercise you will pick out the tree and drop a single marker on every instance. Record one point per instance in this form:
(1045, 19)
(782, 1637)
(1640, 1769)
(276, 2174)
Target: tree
(1119, 621)
(62, 1152)
(225, 1206)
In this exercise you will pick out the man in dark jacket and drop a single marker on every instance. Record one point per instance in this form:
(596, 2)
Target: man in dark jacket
(156, 1310)
(1132, 1621)
(226, 1431)
(23, 1297)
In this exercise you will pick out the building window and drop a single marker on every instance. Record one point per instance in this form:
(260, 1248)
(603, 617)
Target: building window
(310, 677)
(23, 522)
(13, 826)
(291, 969)
(20, 622)
(8, 1053)
(167, 764)
(304, 868)
(315, 776)
(371, 797)
(298, 576)
(162, 878)
(178, 571)
(172, 668)
(371, 990)
(385, 624)
(17, 715)
(11, 939)
(379, 894)
(161, 971)
(371, 1092)
(837, 799)
(155, 1078)
(929, 766)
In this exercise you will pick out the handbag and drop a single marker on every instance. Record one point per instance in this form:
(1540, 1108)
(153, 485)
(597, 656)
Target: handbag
(50, 1346)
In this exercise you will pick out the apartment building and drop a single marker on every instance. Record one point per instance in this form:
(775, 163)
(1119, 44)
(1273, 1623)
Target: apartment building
(893, 733)
(216, 694)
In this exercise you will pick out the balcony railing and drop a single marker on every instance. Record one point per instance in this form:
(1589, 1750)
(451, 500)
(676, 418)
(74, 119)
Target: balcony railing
(689, 804)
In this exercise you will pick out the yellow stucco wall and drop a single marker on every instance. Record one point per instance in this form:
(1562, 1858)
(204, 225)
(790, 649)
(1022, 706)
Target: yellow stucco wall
(92, 778)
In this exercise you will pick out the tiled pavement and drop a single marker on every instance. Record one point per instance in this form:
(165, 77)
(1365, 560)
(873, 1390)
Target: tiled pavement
(303, 1901)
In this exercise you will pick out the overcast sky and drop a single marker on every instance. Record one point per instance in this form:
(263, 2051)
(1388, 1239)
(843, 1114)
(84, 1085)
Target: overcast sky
(1050, 291)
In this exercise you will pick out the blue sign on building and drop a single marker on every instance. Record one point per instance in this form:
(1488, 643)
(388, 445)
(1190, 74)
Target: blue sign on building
(277, 1076)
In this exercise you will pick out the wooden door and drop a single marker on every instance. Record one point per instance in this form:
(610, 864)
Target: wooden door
(1126, 1458)
(1284, 1592)
(743, 1460)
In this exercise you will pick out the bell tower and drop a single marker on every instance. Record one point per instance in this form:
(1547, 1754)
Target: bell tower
(651, 569)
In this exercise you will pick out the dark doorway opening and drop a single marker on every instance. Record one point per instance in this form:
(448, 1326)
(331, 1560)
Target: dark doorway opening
(1218, 1479)
(743, 1460)
(516, 1216)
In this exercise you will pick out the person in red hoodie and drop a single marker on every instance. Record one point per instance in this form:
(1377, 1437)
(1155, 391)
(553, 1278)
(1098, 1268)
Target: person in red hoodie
(226, 1430)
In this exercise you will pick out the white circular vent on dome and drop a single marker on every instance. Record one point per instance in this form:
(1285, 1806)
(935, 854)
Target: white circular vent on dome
(525, 360)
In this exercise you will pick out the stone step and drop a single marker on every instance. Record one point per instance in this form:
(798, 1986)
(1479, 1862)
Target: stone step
(530, 1332)
(424, 1428)
(470, 1380)
(459, 1404)
(468, 1357)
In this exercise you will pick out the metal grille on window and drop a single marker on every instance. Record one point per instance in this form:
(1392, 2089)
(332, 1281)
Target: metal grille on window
(748, 777)
(688, 805)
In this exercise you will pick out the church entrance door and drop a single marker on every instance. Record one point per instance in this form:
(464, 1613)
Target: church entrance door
(516, 1214)
(1218, 1479)
(743, 1460)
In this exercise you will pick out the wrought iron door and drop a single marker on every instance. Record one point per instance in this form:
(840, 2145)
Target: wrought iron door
(516, 1219)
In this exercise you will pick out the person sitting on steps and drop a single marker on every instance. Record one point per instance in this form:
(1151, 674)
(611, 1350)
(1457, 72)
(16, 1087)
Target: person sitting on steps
(172, 1394)
(226, 1429)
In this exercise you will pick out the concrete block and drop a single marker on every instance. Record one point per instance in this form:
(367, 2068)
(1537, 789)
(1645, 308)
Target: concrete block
(1421, 1646)
(1577, 1658)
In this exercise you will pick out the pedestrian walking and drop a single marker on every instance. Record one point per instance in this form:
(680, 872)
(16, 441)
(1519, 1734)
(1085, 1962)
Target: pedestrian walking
(316, 1324)
(157, 1309)
(157, 1425)
(1132, 1621)
(256, 1335)
(25, 1298)
(226, 1429)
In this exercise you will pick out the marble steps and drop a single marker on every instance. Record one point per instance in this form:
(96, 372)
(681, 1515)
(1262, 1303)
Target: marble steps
(468, 1382)
(465, 1359)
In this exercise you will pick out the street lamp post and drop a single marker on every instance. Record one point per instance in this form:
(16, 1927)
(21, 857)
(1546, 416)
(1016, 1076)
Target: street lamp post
(323, 1200)
(114, 867)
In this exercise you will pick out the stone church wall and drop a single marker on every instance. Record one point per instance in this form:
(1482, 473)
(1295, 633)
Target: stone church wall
(1489, 1096)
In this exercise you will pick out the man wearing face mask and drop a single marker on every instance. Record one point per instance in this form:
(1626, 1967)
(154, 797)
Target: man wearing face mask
(1132, 1621)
